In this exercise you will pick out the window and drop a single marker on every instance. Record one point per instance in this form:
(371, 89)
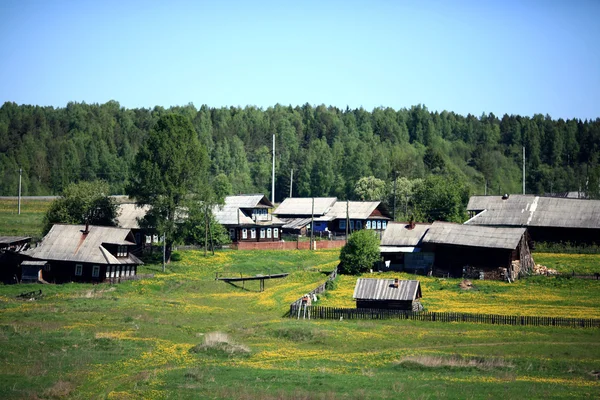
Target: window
(342, 224)
(232, 234)
(47, 267)
(358, 224)
(95, 271)
(351, 224)
(253, 233)
(244, 233)
(378, 224)
(384, 224)
(78, 269)
(275, 233)
(262, 233)
(368, 224)
(127, 271)
(269, 233)
(112, 271)
(121, 251)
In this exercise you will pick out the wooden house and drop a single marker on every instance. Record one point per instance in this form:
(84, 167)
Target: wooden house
(478, 251)
(547, 219)
(14, 243)
(10, 247)
(129, 217)
(401, 249)
(388, 294)
(331, 216)
(247, 218)
(84, 253)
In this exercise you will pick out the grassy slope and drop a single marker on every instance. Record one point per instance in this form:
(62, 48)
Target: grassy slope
(567, 263)
(133, 340)
(29, 223)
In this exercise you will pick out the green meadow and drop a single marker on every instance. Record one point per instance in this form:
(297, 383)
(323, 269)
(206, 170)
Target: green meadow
(28, 223)
(182, 334)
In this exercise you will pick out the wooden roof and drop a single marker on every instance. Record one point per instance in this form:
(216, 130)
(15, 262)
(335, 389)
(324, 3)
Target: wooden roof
(399, 234)
(71, 243)
(528, 210)
(473, 236)
(383, 289)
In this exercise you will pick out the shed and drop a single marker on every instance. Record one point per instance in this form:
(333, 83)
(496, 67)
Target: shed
(31, 271)
(401, 247)
(388, 294)
(469, 250)
(14, 243)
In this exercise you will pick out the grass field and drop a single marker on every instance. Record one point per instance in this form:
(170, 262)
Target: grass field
(29, 223)
(156, 338)
(584, 264)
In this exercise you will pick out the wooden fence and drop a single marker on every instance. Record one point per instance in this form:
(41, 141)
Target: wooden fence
(319, 289)
(318, 312)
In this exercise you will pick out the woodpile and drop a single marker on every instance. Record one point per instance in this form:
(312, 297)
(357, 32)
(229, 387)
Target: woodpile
(539, 269)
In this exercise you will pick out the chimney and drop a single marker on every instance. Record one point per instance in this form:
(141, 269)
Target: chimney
(87, 228)
(396, 282)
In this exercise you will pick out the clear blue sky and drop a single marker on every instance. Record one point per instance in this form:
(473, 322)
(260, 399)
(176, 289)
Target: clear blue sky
(515, 57)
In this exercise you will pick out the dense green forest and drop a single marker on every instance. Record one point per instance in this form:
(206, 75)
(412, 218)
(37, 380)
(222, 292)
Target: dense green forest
(328, 148)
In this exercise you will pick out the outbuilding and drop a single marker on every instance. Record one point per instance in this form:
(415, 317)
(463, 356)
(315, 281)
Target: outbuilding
(392, 294)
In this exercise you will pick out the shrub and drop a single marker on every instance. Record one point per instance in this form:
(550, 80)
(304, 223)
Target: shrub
(360, 253)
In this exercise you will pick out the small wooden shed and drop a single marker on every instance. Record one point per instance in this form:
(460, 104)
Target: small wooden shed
(388, 294)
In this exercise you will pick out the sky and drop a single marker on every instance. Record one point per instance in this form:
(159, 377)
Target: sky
(514, 57)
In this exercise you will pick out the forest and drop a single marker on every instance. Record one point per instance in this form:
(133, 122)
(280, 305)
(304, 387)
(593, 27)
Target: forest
(332, 151)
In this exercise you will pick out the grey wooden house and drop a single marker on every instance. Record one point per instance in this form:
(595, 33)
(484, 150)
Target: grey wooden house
(388, 294)
(83, 253)
(547, 219)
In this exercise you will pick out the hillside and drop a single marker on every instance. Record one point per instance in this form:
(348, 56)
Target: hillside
(328, 149)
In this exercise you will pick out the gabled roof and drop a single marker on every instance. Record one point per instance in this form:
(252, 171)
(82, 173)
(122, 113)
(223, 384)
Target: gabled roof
(302, 206)
(8, 240)
(70, 243)
(383, 289)
(527, 210)
(248, 201)
(473, 236)
(356, 210)
(231, 214)
(130, 214)
(399, 234)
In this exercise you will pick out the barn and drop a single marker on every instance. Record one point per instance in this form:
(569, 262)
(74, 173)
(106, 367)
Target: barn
(388, 294)
(478, 251)
(547, 219)
(401, 247)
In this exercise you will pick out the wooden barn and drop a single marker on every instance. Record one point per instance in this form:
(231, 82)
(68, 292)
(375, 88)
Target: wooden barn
(247, 218)
(388, 294)
(478, 251)
(10, 247)
(82, 253)
(547, 219)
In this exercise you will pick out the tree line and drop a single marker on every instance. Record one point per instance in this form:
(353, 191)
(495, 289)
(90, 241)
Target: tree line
(333, 152)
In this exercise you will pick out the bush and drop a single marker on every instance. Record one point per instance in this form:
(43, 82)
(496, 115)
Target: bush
(360, 253)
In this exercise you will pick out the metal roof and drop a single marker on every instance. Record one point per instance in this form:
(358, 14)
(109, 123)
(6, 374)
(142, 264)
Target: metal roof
(473, 236)
(232, 213)
(248, 201)
(302, 206)
(130, 214)
(526, 210)
(70, 243)
(354, 209)
(398, 234)
(383, 289)
(13, 239)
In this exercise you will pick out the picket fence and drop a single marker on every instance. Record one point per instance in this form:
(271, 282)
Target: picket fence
(318, 312)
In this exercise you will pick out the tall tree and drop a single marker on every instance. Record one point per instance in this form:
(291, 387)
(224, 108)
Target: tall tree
(169, 170)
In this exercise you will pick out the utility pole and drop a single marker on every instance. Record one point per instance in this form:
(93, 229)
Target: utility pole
(273, 177)
(20, 173)
(347, 218)
(206, 229)
(291, 182)
(312, 223)
(523, 169)
(164, 251)
(395, 179)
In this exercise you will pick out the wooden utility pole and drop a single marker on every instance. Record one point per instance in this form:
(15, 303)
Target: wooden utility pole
(291, 182)
(347, 218)
(312, 223)
(20, 173)
(205, 229)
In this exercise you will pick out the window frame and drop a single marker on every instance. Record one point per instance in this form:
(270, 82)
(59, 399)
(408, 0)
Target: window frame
(96, 271)
(244, 233)
(276, 233)
(78, 269)
(253, 233)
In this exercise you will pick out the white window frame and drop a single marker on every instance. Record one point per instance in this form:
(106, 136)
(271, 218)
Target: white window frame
(275, 233)
(121, 251)
(379, 224)
(253, 233)
(368, 224)
(244, 233)
(96, 271)
(384, 224)
(78, 269)
(262, 233)
(342, 224)
(268, 233)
